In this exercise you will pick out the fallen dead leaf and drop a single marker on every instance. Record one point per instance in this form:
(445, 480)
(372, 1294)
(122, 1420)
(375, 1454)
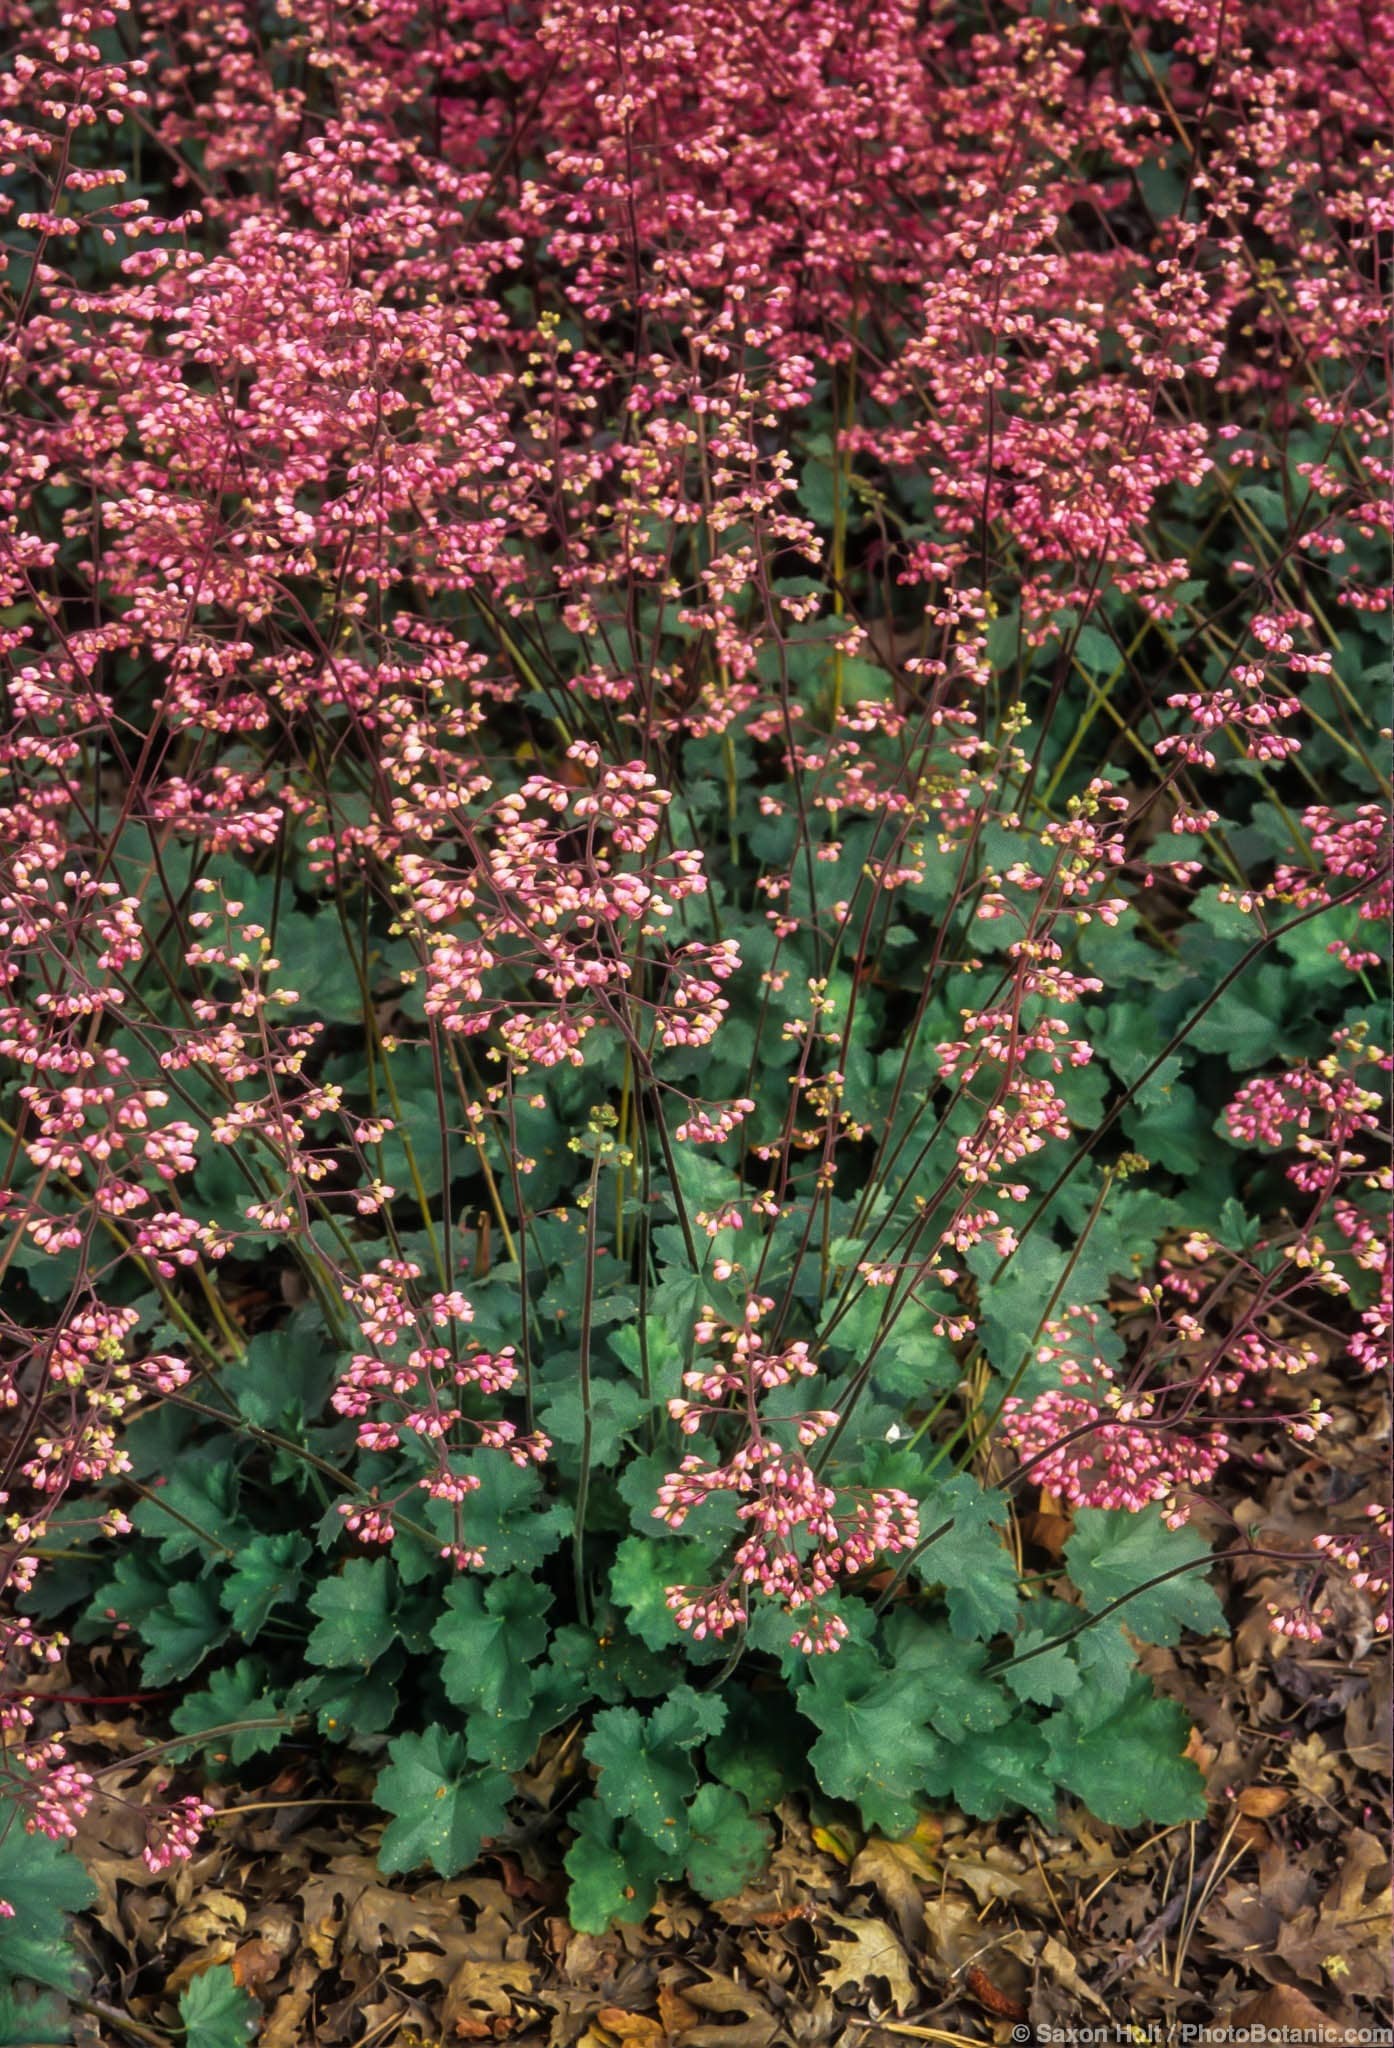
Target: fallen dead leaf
(1312, 1768)
(471, 2026)
(868, 1949)
(488, 1986)
(1288, 2015)
(516, 1881)
(637, 2027)
(284, 2026)
(1044, 1952)
(674, 2010)
(586, 1956)
(838, 1842)
(1261, 1802)
(954, 1935)
(994, 1873)
(211, 1915)
(184, 1972)
(1344, 1937)
(255, 1963)
(1201, 1753)
(1001, 2004)
(896, 1880)
(1048, 1532)
(754, 2027)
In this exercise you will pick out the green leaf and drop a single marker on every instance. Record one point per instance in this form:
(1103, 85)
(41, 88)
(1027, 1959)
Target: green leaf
(677, 1302)
(507, 1515)
(52, 1275)
(643, 1570)
(44, 1882)
(606, 1663)
(194, 1513)
(969, 1559)
(727, 1846)
(351, 1703)
(136, 1588)
(547, 1696)
(1127, 1767)
(687, 1718)
(1307, 946)
(182, 1632)
(637, 1485)
(1107, 1662)
(752, 1754)
(1251, 1021)
(486, 1636)
(1096, 650)
(615, 1407)
(318, 962)
(1225, 918)
(646, 1774)
(355, 1620)
(1014, 1297)
(285, 1374)
(664, 1356)
(1112, 1555)
(238, 1694)
(615, 1872)
(958, 1699)
(1047, 1674)
(216, 2011)
(874, 1747)
(414, 1140)
(818, 483)
(444, 1808)
(1008, 1768)
(29, 2022)
(266, 1575)
(1124, 1232)
(1169, 1126)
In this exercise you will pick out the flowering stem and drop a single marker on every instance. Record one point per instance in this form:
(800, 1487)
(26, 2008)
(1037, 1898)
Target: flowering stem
(578, 1540)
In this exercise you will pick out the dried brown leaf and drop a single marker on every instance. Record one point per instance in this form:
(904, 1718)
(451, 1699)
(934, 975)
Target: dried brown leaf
(285, 2024)
(753, 2026)
(954, 1935)
(1261, 1802)
(255, 1963)
(1312, 1768)
(868, 1950)
(991, 1997)
(674, 2010)
(1041, 1951)
(896, 1880)
(212, 1915)
(1288, 2015)
(184, 1973)
(494, 1986)
(640, 2028)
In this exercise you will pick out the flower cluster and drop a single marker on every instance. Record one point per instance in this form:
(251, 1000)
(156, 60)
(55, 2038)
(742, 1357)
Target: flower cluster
(1354, 1570)
(417, 1398)
(1097, 1444)
(802, 1535)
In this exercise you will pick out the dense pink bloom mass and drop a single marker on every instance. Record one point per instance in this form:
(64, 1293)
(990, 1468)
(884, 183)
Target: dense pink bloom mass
(782, 1498)
(390, 517)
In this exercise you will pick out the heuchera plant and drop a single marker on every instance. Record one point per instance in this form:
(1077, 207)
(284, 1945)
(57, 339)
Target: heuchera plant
(694, 884)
